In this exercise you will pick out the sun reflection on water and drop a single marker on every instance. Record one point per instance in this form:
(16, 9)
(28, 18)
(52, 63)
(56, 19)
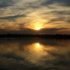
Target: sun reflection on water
(35, 52)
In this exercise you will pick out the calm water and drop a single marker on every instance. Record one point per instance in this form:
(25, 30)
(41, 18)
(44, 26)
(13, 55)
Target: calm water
(34, 54)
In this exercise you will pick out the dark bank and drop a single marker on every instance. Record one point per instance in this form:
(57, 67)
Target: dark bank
(57, 36)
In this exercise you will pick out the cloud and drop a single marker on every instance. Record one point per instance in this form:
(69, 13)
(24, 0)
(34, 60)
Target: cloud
(6, 3)
(12, 17)
(62, 2)
(14, 12)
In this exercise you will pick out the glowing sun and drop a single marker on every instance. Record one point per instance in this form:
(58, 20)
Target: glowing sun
(36, 21)
(37, 24)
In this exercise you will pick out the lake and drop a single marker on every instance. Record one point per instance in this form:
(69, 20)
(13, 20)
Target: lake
(34, 53)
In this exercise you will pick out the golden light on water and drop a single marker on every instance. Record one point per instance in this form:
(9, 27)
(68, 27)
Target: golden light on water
(35, 52)
(37, 47)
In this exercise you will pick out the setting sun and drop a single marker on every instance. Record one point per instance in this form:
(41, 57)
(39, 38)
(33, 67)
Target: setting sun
(36, 21)
(37, 26)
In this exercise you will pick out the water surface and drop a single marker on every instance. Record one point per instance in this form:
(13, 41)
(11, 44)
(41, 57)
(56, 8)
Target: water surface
(34, 54)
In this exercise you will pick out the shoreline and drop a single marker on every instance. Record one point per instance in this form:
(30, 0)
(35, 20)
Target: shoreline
(38, 36)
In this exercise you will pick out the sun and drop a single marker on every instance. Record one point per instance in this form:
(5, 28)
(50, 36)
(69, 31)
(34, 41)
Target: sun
(37, 24)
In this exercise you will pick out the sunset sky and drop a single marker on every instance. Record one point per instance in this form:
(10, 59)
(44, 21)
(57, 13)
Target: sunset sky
(35, 15)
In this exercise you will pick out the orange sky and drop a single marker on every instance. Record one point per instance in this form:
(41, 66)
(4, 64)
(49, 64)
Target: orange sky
(35, 15)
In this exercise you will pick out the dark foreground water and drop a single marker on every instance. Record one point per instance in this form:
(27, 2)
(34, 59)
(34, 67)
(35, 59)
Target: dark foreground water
(34, 54)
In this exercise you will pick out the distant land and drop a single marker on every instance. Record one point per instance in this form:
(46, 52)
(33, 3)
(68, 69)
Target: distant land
(26, 31)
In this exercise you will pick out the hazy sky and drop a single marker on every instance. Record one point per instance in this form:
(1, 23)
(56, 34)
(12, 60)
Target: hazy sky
(49, 13)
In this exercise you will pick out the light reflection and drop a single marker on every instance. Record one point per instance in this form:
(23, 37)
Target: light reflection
(37, 46)
(35, 52)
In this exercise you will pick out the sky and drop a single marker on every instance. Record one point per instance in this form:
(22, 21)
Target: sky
(35, 15)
